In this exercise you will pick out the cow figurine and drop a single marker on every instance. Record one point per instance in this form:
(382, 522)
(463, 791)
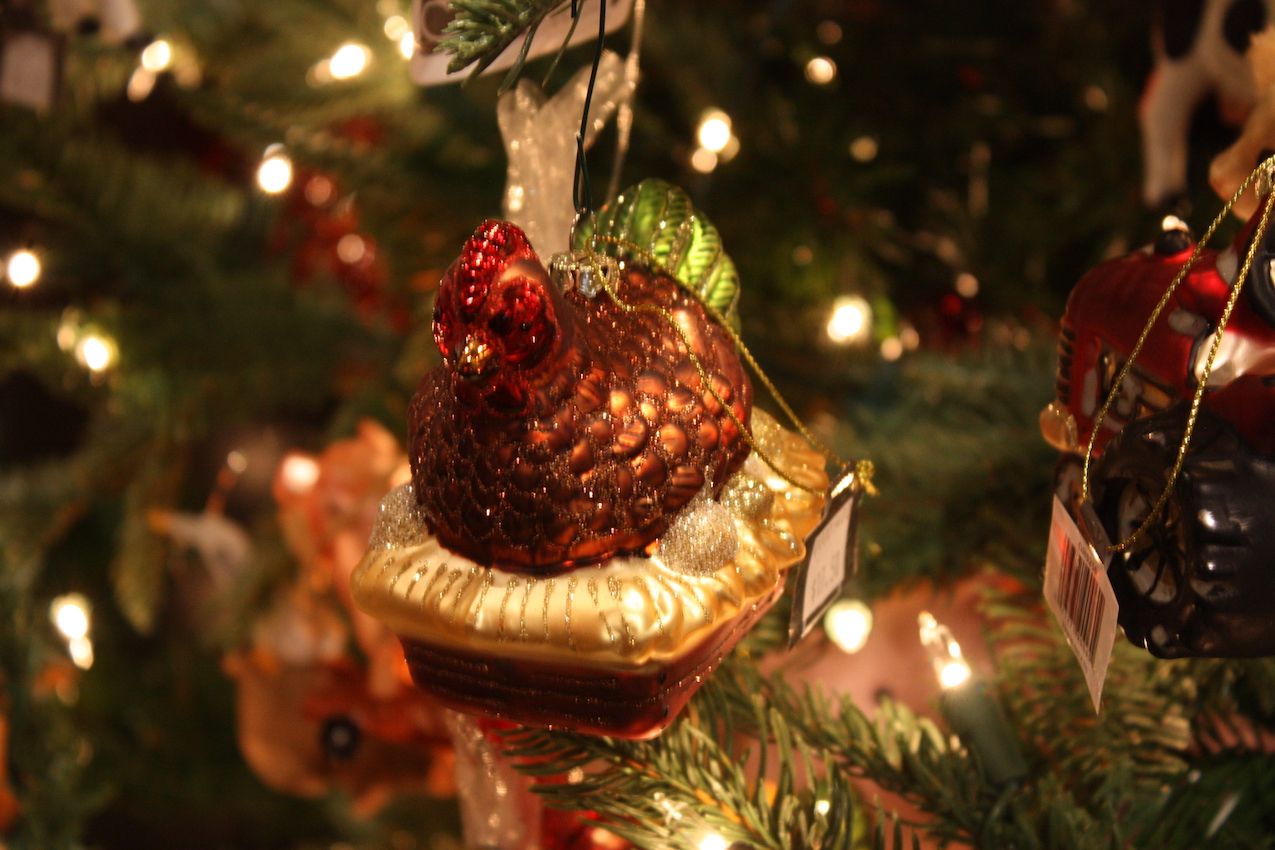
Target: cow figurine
(1200, 48)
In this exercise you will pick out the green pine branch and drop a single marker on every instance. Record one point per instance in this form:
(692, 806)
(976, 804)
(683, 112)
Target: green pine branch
(482, 29)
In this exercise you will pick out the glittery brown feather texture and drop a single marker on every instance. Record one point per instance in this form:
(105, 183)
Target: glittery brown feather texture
(592, 429)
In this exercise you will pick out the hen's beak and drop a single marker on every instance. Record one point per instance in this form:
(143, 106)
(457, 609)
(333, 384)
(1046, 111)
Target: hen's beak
(475, 359)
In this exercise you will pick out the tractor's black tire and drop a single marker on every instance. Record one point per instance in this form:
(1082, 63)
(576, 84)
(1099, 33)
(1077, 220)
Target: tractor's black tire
(1201, 580)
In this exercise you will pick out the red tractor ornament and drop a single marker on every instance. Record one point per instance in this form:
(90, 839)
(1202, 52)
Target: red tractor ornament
(1201, 580)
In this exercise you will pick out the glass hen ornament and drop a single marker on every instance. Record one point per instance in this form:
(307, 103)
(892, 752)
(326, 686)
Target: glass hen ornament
(590, 526)
(1179, 340)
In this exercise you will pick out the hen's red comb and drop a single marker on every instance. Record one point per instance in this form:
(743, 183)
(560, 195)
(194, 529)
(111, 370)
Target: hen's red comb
(486, 253)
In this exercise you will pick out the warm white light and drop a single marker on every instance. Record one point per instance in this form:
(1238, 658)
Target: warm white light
(851, 320)
(910, 338)
(953, 674)
(95, 352)
(70, 614)
(703, 160)
(864, 149)
(349, 60)
(274, 174)
(319, 190)
(140, 84)
(237, 461)
(396, 26)
(714, 130)
(944, 652)
(891, 348)
(81, 650)
(713, 841)
(821, 70)
(157, 56)
(822, 807)
(22, 268)
(966, 285)
(407, 45)
(351, 248)
(300, 473)
(1172, 222)
(848, 624)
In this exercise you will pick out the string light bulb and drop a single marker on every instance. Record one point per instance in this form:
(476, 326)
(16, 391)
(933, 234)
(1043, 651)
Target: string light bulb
(96, 352)
(71, 615)
(157, 56)
(714, 130)
(300, 473)
(713, 841)
(850, 322)
(820, 71)
(848, 624)
(349, 60)
(407, 45)
(945, 653)
(23, 268)
(274, 174)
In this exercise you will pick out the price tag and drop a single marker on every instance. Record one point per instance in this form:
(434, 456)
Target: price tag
(429, 17)
(30, 69)
(1079, 592)
(831, 555)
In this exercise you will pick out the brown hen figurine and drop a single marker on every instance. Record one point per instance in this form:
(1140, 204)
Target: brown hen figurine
(562, 430)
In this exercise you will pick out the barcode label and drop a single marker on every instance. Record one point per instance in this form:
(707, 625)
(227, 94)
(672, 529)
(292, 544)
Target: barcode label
(1080, 595)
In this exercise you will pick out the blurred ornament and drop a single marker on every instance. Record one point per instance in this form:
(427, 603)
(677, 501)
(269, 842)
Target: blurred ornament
(116, 20)
(1257, 136)
(540, 141)
(1168, 392)
(313, 728)
(224, 548)
(1199, 50)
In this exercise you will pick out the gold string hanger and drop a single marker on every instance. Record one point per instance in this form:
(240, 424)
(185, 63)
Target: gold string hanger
(1264, 170)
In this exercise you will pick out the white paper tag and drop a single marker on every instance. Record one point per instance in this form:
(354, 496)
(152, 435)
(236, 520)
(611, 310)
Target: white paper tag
(1080, 595)
(429, 67)
(830, 558)
(29, 69)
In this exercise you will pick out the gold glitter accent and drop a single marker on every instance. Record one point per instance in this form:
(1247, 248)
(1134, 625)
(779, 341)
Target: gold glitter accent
(510, 587)
(544, 611)
(488, 578)
(429, 587)
(613, 585)
(566, 613)
(398, 520)
(747, 497)
(522, 610)
(442, 594)
(592, 585)
(701, 539)
(460, 594)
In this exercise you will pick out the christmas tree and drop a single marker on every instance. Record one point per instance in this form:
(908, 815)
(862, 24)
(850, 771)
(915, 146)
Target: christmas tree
(223, 227)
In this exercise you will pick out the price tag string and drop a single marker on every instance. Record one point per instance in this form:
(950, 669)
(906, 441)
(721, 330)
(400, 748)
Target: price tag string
(1264, 170)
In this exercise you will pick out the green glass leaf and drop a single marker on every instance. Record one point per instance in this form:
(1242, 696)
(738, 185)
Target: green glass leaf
(655, 220)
